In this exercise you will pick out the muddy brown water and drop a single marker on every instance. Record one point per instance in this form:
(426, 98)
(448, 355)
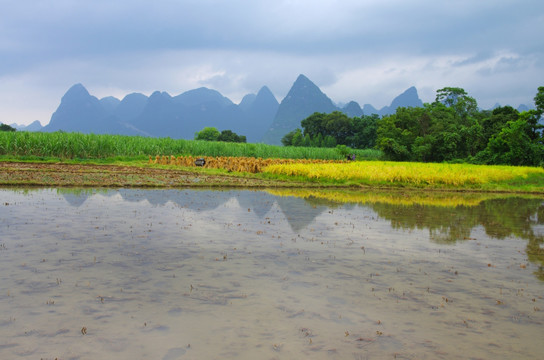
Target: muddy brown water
(195, 274)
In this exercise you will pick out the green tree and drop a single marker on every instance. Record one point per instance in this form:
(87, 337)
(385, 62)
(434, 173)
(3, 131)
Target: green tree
(307, 141)
(458, 99)
(539, 100)
(230, 136)
(6, 127)
(393, 139)
(494, 123)
(329, 141)
(208, 134)
(397, 133)
(314, 124)
(364, 132)
(513, 146)
(297, 139)
(317, 141)
(287, 139)
(422, 149)
(338, 126)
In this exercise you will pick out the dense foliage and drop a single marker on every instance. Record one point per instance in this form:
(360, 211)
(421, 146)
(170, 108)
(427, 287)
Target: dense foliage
(6, 127)
(450, 129)
(212, 134)
(336, 128)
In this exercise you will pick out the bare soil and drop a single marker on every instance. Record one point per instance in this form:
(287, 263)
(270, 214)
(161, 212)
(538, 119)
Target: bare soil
(61, 174)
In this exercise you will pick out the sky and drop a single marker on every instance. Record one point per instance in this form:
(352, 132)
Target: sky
(368, 51)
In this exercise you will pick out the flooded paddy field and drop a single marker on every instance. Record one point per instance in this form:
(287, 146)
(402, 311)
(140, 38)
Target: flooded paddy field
(235, 274)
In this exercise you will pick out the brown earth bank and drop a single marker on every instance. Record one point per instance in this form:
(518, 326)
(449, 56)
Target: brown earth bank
(60, 174)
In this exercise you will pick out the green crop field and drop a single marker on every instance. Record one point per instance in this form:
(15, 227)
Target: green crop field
(91, 146)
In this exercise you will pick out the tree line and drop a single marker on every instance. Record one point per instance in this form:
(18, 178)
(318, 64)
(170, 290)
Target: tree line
(451, 129)
(6, 127)
(212, 134)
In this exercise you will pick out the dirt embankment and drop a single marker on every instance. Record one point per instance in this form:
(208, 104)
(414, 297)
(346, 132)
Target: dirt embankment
(58, 174)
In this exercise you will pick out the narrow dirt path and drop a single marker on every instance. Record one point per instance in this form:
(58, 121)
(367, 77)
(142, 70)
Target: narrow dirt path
(58, 174)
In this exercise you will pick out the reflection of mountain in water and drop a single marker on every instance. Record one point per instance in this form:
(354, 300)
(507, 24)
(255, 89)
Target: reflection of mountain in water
(248, 199)
(75, 200)
(500, 217)
(197, 200)
(77, 197)
(298, 212)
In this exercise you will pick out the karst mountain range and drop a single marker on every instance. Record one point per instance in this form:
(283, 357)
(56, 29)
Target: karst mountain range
(258, 116)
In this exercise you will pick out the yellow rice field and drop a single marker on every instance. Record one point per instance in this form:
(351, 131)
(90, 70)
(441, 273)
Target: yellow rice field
(405, 172)
(363, 172)
(230, 163)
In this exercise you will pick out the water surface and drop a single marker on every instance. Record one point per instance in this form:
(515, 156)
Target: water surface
(188, 274)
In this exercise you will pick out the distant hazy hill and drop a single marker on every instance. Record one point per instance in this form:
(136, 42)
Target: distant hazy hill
(303, 99)
(34, 126)
(182, 116)
(409, 98)
(258, 116)
(163, 115)
(81, 112)
(352, 109)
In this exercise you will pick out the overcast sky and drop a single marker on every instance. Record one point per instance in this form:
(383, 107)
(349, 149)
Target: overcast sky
(364, 50)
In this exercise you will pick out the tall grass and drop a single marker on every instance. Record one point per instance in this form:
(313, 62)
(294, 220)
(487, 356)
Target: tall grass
(91, 146)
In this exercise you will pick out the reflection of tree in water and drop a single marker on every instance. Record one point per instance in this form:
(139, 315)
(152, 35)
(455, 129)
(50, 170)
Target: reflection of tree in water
(446, 225)
(500, 218)
(535, 253)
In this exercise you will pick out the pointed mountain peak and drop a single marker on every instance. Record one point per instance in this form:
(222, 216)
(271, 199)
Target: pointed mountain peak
(304, 89)
(76, 112)
(265, 91)
(304, 98)
(303, 78)
(265, 95)
(409, 98)
(303, 81)
(263, 99)
(77, 91)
